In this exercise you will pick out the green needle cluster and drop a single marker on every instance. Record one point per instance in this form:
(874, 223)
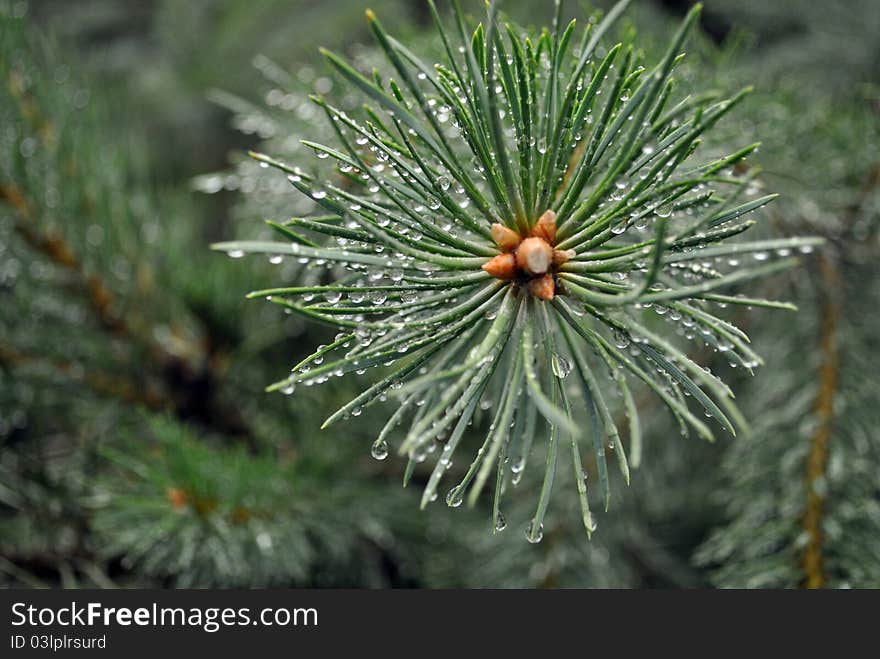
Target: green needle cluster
(508, 126)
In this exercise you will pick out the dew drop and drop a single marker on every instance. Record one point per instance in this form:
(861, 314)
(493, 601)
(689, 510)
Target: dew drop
(561, 366)
(379, 450)
(454, 498)
(534, 535)
(663, 211)
(621, 339)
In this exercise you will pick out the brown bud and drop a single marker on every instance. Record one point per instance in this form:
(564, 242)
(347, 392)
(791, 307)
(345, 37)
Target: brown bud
(545, 227)
(543, 288)
(176, 497)
(502, 266)
(507, 239)
(534, 256)
(561, 256)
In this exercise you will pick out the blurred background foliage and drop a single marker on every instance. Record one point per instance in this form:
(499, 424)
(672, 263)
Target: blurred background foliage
(136, 444)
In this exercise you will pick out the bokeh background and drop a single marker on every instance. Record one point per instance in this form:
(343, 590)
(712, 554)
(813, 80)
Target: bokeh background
(137, 447)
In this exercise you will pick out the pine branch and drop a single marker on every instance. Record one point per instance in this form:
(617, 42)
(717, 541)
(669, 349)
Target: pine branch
(487, 235)
(102, 383)
(56, 249)
(93, 192)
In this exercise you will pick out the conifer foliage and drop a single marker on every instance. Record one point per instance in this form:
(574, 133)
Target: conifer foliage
(136, 445)
(503, 229)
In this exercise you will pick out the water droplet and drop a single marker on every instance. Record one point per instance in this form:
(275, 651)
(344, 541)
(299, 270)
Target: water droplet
(534, 535)
(561, 366)
(454, 498)
(500, 522)
(663, 211)
(621, 339)
(379, 450)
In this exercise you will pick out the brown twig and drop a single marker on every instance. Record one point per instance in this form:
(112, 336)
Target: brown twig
(59, 252)
(824, 408)
(829, 375)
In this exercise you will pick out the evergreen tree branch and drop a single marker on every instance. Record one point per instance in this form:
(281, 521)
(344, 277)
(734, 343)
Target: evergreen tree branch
(100, 382)
(57, 250)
